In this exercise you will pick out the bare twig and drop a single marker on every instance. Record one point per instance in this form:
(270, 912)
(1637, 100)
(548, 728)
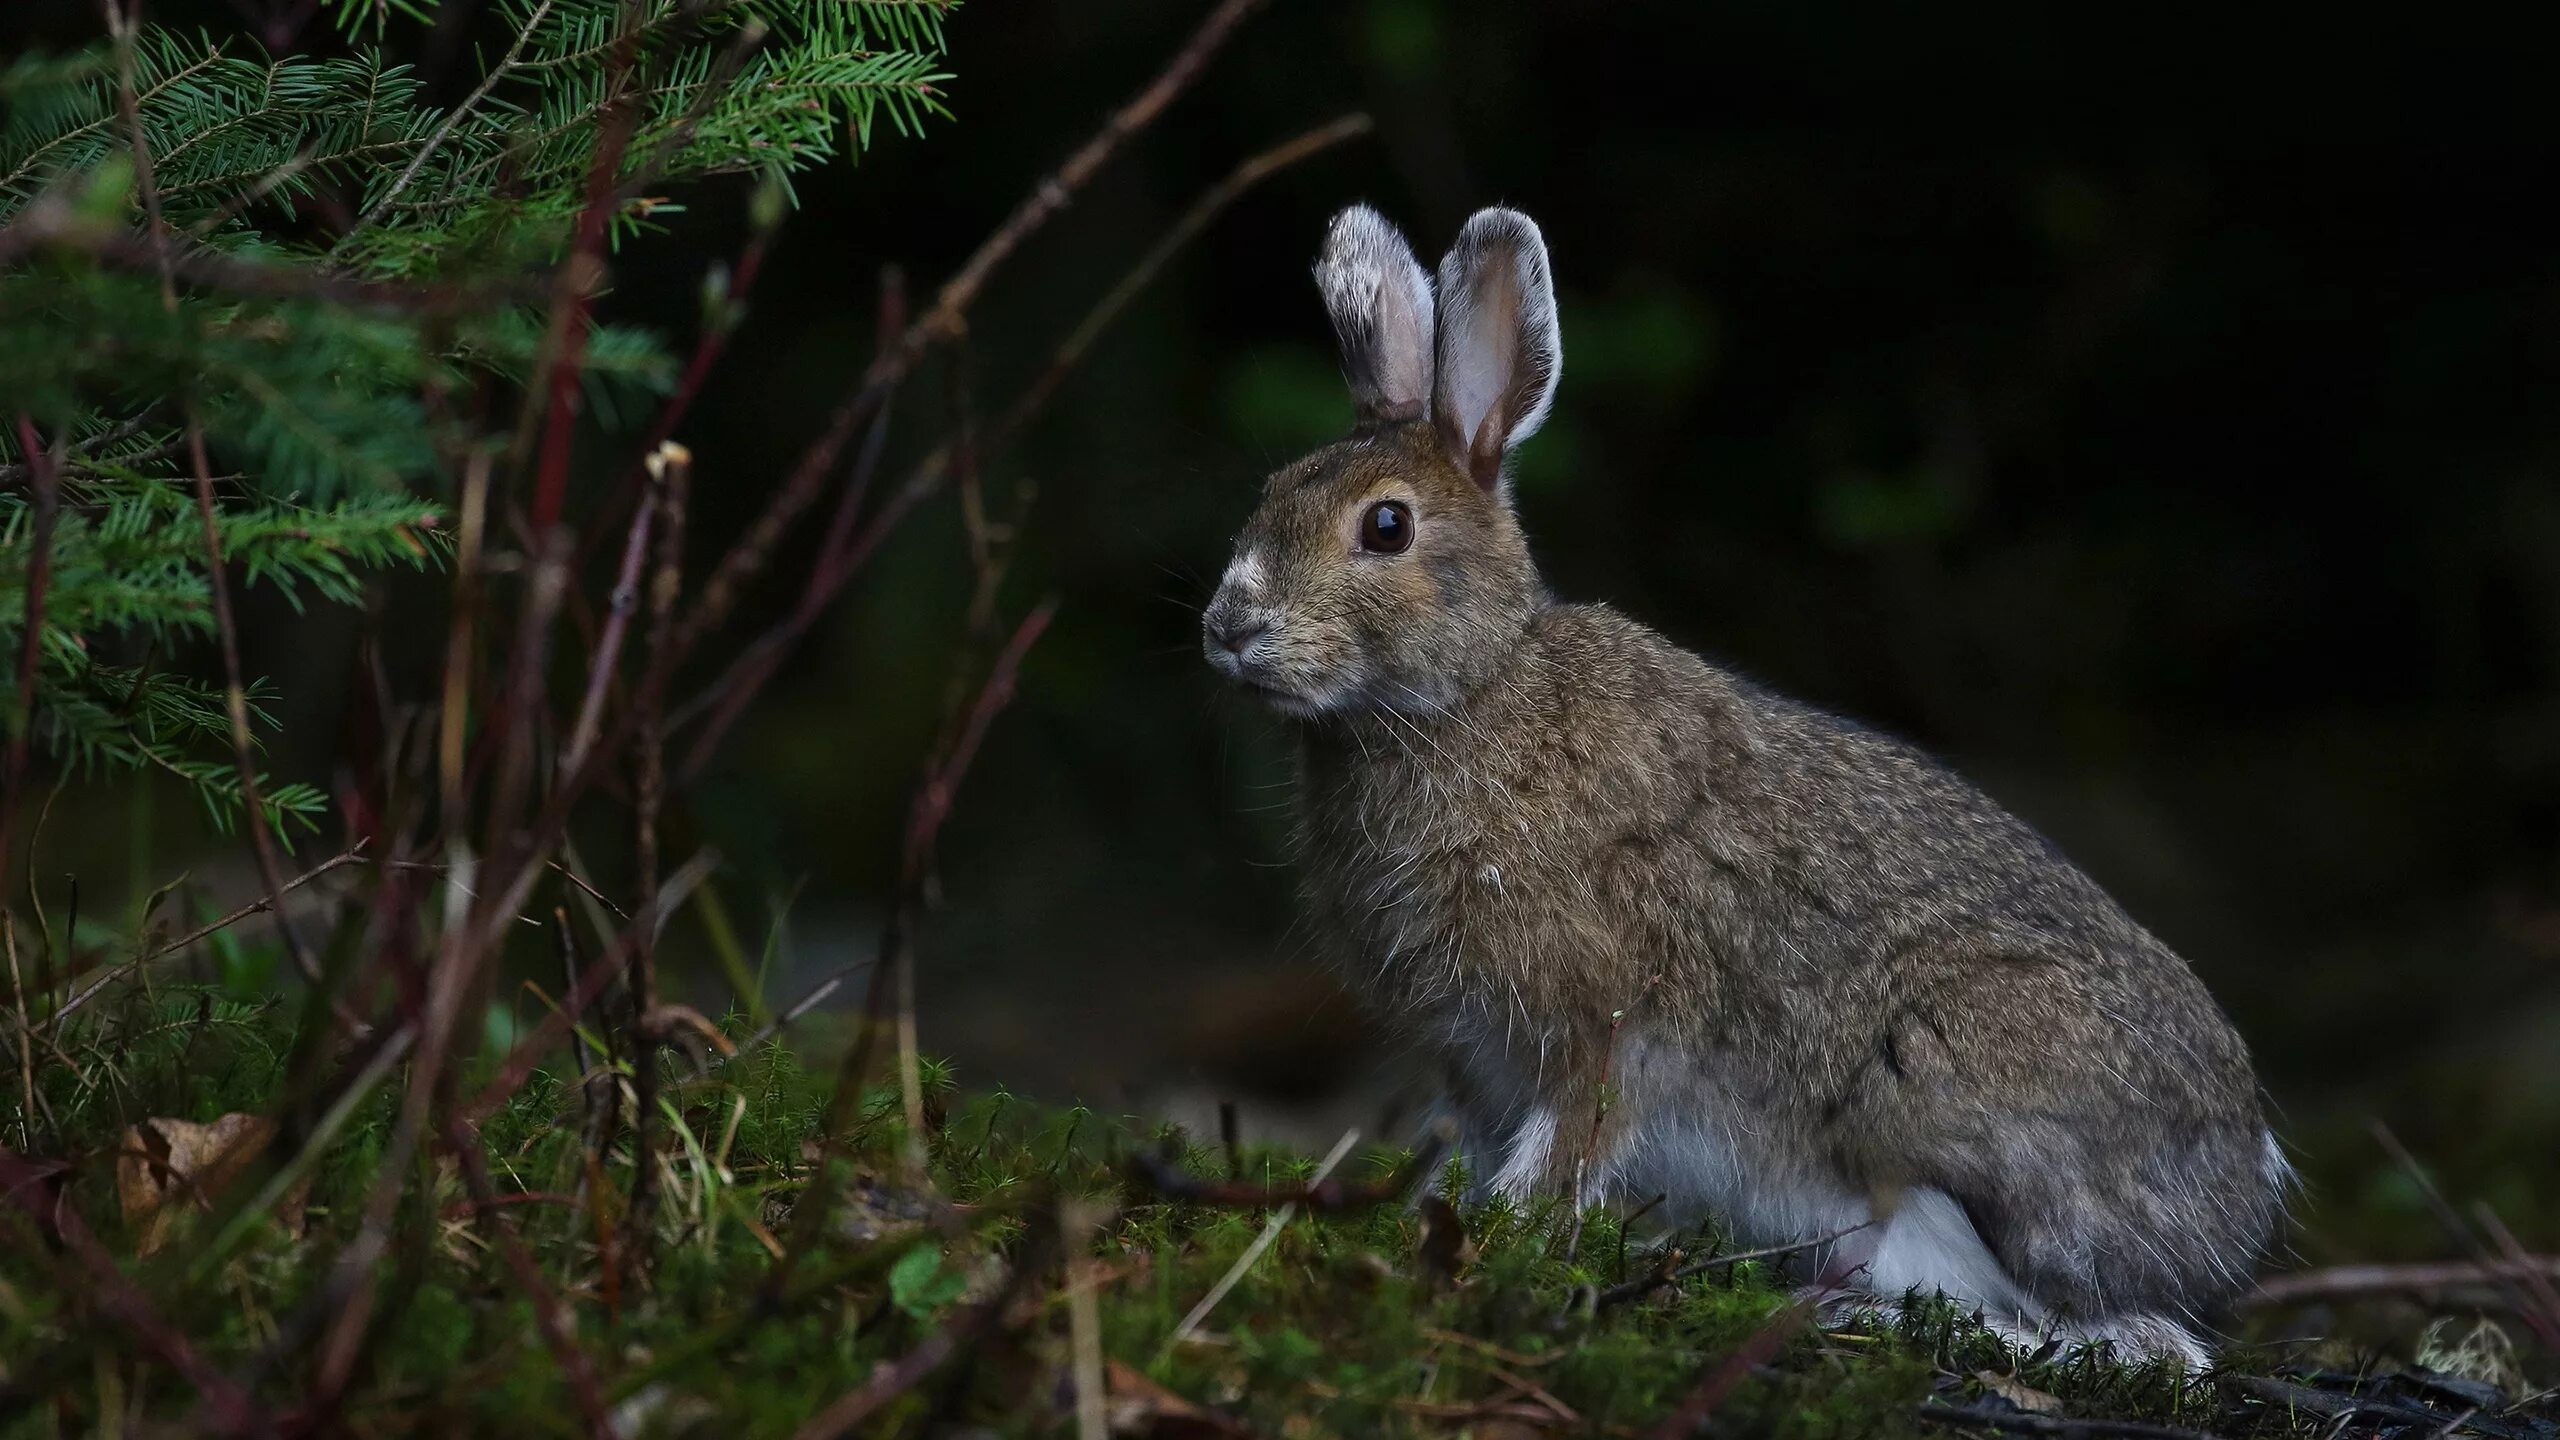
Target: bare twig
(1673, 1274)
(2352, 1282)
(897, 1377)
(48, 499)
(626, 599)
(26, 1034)
(758, 661)
(259, 906)
(123, 27)
(2522, 1296)
(931, 806)
(748, 557)
(1763, 1346)
(564, 349)
(519, 1063)
(1270, 1232)
(738, 685)
(107, 1289)
(1320, 1195)
(2021, 1422)
(669, 473)
(46, 224)
(942, 321)
(2542, 1314)
(549, 1317)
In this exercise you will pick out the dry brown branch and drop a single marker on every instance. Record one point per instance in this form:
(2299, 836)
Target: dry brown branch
(2357, 1282)
(938, 465)
(123, 27)
(48, 224)
(2020, 1422)
(1763, 1346)
(106, 1289)
(746, 559)
(259, 906)
(549, 1317)
(909, 1370)
(48, 497)
(608, 654)
(670, 472)
(1160, 1175)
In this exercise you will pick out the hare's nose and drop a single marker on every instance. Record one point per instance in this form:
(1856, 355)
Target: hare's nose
(1234, 632)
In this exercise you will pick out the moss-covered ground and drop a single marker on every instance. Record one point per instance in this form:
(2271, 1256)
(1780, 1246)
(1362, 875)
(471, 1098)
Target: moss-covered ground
(983, 1294)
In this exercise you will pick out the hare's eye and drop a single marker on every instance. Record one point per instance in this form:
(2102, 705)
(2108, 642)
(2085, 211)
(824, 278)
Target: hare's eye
(1387, 528)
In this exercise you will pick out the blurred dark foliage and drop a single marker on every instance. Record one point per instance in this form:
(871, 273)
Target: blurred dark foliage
(2151, 413)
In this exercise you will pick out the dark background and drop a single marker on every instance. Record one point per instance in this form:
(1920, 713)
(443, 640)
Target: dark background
(2152, 414)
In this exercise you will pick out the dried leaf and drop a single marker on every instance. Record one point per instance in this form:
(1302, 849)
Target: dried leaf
(165, 1168)
(1443, 1247)
(2018, 1392)
(1140, 1406)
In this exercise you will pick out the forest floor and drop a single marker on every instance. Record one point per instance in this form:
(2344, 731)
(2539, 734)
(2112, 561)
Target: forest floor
(1004, 1269)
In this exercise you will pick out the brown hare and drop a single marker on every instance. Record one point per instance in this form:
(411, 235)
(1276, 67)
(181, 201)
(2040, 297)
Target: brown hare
(1827, 981)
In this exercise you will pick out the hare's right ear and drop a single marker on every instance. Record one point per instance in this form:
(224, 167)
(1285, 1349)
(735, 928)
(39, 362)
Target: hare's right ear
(1380, 301)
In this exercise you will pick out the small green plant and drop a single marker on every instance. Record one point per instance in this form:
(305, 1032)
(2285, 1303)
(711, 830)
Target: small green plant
(255, 299)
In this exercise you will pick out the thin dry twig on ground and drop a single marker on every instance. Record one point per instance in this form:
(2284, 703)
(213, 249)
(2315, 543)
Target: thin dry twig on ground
(1271, 1229)
(899, 1376)
(1673, 1274)
(2020, 1422)
(1700, 1403)
(107, 1289)
(259, 906)
(1321, 1195)
(558, 1332)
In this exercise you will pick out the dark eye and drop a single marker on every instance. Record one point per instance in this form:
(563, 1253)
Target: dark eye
(1387, 529)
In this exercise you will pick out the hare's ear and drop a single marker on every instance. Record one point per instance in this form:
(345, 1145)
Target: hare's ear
(1380, 301)
(1499, 354)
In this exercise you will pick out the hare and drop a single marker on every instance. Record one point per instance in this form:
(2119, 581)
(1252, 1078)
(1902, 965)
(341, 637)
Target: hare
(1820, 981)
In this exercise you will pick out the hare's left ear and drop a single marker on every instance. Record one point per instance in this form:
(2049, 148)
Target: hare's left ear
(1499, 354)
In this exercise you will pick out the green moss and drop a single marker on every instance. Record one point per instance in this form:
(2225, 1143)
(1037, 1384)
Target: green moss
(1335, 1330)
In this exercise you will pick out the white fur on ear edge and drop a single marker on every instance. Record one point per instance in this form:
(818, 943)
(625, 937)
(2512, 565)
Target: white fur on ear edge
(1500, 352)
(1380, 299)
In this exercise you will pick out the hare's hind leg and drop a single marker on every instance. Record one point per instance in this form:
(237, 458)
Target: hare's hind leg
(1928, 1245)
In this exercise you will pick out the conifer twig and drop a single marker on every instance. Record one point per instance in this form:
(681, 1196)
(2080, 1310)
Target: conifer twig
(123, 26)
(436, 137)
